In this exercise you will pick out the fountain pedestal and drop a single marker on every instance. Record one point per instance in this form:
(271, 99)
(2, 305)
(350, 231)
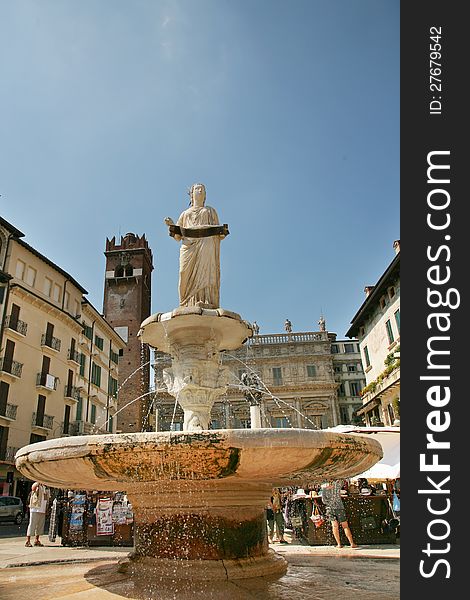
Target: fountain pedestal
(194, 337)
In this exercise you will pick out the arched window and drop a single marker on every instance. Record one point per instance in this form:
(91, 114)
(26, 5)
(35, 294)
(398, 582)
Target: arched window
(119, 271)
(129, 271)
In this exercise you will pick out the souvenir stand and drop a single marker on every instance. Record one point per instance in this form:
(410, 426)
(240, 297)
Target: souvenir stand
(97, 519)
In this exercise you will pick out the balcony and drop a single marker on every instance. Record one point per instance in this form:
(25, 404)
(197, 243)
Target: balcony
(47, 381)
(80, 428)
(11, 367)
(49, 341)
(16, 325)
(288, 338)
(72, 392)
(8, 454)
(74, 356)
(10, 412)
(44, 421)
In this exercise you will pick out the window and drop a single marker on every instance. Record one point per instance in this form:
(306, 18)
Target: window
(78, 415)
(96, 374)
(397, 319)
(344, 414)
(349, 348)
(352, 368)
(20, 269)
(338, 368)
(277, 375)
(82, 364)
(66, 419)
(88, 331)
(391, 291)
(382, 302)
(388, 326)
(391, 414)
(110, 424)
(281, 422)
(77, 309)
(93, 414)
(66, 300)
(311, 371)
(47, 286)
(334, 349)
(112, 387)
(341, 391)
(366, 356)
(4, 389)
(114, 356)
(56, 292)
(31, 276)
(99, 342)
(354, 388)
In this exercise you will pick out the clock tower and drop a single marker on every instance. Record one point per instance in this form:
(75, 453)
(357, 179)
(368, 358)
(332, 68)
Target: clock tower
(127, 302)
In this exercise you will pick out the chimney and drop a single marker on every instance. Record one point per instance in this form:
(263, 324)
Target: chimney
(396, 246)
(368, 289)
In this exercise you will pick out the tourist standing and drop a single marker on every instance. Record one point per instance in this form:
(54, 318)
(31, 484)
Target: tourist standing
(331, 498)
(38, 501)
(278, 515)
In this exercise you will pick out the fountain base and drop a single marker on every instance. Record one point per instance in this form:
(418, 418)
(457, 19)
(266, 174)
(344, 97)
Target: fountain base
(269, 565)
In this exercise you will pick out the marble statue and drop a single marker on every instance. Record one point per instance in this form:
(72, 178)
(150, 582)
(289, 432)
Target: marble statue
(255, 328)
(322, 323)
(200, 233)
(288, 326)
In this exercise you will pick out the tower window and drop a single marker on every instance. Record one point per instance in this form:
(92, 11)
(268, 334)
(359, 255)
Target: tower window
(119, 271)
(129, 271)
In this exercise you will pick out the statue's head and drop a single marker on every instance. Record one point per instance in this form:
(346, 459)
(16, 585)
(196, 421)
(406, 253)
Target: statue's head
(198, 192)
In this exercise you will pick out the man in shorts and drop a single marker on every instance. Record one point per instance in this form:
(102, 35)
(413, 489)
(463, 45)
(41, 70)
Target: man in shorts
(331, 498)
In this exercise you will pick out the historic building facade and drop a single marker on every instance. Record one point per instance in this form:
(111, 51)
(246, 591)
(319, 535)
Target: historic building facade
(52, 383)
(305, 379)
(127, 302)
(377, 327)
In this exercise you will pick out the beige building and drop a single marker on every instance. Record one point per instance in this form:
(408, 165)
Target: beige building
(377, 326)
(58, 356)
(307, 380)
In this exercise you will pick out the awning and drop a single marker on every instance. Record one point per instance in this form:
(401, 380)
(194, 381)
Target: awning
(389, 438)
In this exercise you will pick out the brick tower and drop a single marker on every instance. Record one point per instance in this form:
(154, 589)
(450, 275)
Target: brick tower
(127, 294)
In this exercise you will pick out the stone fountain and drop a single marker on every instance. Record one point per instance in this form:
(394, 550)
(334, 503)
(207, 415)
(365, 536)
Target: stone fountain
(198, 495)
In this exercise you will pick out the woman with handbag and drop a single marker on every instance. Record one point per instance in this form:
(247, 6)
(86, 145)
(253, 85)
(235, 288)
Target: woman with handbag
(331, 498)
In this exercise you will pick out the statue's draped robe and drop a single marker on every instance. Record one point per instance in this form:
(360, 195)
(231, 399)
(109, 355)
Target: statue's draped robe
(199, 280)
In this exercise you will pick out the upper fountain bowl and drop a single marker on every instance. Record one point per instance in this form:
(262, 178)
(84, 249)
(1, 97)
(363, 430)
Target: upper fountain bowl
(187, 324)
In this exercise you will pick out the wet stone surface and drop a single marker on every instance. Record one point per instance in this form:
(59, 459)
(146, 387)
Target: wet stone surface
(308, 578)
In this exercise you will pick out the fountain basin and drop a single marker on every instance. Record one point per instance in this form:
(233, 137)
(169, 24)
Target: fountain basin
(200, 496)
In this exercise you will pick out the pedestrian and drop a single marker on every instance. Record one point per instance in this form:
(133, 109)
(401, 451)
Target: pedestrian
(270, 520)
(278, 516)
(38, 500)
(331, 498)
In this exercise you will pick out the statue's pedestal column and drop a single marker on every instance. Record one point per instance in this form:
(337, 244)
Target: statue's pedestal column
(215, 531)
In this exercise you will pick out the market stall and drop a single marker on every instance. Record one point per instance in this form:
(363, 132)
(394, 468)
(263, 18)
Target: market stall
(97, 519)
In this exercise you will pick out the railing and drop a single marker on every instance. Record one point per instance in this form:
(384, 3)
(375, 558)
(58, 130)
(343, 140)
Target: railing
(16, 325)
(7, 365)
(46, 421)
(71, 391)
(46, 380)
(10, 412)
(80, 427)
(50, 342)
(73, 355)
(287, 338)
(8, 454)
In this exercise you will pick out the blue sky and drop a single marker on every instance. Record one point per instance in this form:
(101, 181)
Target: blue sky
(288, 112)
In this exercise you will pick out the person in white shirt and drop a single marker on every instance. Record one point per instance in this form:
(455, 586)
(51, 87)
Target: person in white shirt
(38, 501)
